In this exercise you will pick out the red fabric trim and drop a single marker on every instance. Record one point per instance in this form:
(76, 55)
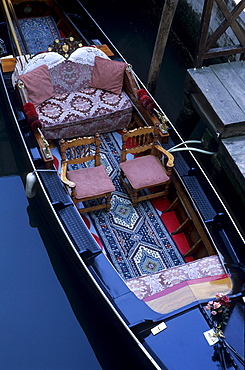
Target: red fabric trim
(170, 221)
(181, 242)
(56, 162)
(160, 204)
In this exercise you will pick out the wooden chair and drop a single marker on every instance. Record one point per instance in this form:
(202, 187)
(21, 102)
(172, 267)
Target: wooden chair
(144, 171)
(85, 183)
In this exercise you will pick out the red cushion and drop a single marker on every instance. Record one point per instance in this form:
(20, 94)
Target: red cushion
(144, 172)
(91, 181)
(38, 84)
(170, 221)
(108, 75)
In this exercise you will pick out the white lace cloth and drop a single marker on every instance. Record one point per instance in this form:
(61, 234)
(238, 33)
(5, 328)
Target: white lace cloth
(83, 55)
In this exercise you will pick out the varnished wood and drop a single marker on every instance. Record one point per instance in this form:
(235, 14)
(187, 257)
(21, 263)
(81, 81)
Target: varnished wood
(144, 140)
(190, 293)
(182, 227)
(194, 230)
(193, 249)
(105, 50)
(172, 205)
(77, 151)
(8, 64)
(81, 150)
(142, 116)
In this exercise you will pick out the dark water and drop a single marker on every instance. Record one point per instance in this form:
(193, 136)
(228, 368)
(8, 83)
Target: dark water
(132, 27)
(37, 325)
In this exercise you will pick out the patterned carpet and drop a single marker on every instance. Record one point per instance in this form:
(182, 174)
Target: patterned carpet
(38, 33)
(135, 239)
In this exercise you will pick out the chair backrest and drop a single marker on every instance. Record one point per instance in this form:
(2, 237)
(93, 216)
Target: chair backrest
(139, 140)
(81, 150)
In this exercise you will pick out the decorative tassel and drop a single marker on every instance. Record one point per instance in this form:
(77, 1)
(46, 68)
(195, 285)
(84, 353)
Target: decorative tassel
(28, 106)
(36, 124)
(31, 115)
(146, 100)
(141, 92)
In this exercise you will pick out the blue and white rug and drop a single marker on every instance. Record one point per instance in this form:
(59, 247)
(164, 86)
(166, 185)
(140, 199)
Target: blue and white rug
(135, 238)
(38, 32)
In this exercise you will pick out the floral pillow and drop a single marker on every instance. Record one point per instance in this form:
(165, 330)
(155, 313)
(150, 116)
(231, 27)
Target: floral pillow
(108, 75)
(38, 84)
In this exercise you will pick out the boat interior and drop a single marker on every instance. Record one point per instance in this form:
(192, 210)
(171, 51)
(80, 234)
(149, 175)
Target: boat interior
(136, 210)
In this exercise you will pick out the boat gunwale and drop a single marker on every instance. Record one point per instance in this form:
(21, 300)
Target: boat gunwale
(192, 154)
(78, 259)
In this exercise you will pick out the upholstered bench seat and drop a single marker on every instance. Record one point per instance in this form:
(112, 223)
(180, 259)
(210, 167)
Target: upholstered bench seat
(84, 113)
(68, 97)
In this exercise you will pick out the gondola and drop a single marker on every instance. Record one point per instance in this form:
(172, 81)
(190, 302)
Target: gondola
(154, 246)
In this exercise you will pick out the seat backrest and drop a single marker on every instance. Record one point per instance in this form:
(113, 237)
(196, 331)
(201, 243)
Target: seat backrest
(70, 76)
(81, 150)
(139, 140)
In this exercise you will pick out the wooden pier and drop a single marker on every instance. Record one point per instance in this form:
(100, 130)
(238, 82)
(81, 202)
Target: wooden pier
(217, 94)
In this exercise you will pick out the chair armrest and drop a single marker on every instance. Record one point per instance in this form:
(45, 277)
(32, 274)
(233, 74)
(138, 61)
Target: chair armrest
(63, 177)
(170, 157)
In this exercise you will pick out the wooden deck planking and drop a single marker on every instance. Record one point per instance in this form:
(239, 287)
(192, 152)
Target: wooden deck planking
(217, 95)
(232, 82)
(239, 67)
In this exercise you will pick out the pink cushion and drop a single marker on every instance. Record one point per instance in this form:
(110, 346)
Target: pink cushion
(91, 181)
(69, 77)
(144, 172)
(38, 84)
(108, 75)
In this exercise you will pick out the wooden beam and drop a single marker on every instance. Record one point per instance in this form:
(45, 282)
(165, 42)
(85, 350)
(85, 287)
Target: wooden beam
(228, 50)
(160, 44)
(182, 227)
(11, 27)
(205, 22)
(225, 24)
(193, 249)
(206, 42)
(235, 26)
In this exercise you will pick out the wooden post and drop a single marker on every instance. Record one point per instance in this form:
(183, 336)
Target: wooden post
(160, 44)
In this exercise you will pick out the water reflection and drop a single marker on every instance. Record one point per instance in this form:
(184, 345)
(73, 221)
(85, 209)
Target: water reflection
(38, 327)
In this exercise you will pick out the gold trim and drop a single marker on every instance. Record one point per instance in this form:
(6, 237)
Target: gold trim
(11, 26)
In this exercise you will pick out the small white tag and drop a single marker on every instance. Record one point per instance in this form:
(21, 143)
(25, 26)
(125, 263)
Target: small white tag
(210, 336)
(157, 329)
